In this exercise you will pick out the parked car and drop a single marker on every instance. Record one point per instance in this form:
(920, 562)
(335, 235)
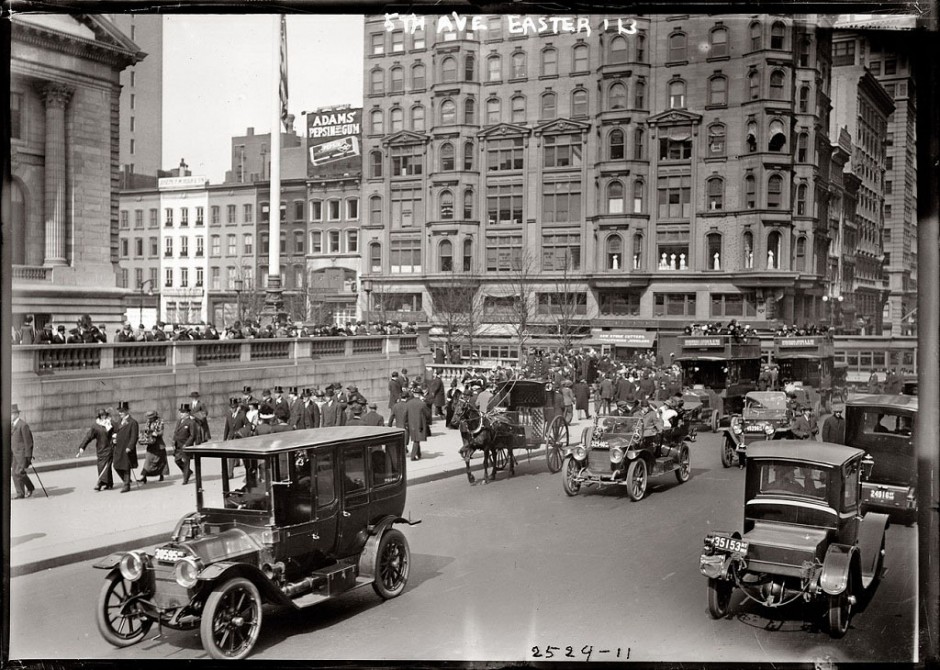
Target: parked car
(308, 516)
(805, 534)
(616, 451)
(766, 416)
(885, 426)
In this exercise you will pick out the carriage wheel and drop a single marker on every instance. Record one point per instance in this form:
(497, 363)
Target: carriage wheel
(502, 458)
(636, 479)
(556, 438)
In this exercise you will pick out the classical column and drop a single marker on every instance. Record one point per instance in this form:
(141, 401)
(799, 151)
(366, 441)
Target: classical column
(56, 96)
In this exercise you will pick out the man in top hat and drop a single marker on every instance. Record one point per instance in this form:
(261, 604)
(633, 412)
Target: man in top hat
(184, 435)
(394, 390)
(200, 414)
(436, 392)
(333, 411)
(418, 424)
(21, 446)
(125, 436)
(246, 394)
(44, 335)
(372, 417)
(74, 337)
(295, 405)
(235, 418)
(281, 405)
(100, 432)
(309, 411)
(267, 398)
(399, 414)
(157, 334)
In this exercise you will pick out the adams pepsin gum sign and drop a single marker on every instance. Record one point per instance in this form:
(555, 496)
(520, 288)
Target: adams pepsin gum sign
(333, 142)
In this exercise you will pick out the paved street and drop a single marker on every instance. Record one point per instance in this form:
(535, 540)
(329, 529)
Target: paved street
(503, 568)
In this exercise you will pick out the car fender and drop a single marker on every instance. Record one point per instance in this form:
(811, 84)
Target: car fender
(871, 533)
(837, 568)
(736, 439)
(225, 570)
(371, 548)
(110, 561)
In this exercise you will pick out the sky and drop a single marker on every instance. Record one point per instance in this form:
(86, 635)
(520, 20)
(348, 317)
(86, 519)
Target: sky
(218, 79)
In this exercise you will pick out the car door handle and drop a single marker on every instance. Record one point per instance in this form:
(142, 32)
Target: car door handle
(314, 536)
(346, 514)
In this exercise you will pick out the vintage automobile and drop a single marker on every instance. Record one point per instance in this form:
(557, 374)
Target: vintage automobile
(805, 535)
(616, 451)
(308, 516)
(703, 407)
(766, 416)
(885, 426)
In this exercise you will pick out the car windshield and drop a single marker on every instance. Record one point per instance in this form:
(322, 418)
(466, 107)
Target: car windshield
(246, 488)
(794, 479)
(757, 401)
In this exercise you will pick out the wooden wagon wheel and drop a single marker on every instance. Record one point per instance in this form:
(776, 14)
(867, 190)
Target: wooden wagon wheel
(556, 438)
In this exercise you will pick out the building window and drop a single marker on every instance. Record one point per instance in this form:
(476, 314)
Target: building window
(715, 192)
(396, 120)
(332, 210)
(377, 122)
(503, 252)
(398, 41)
(492, 111)
(467, 255)
(677, 94)
(407, 208)
(299, 242)
(154, 247)
(125, 243)
(748, 250)
(674, 304)
(773, 250)
(518, 65)
(447, 205)
(843, 53)
(579, 102)
(184, 247)
(167, 248)
(615, 145)
(579, 60)
(417, 40)
(639, 196)
(184, 277)
(805, 47)
(562, 151)
(494, 69)
(352, 209)
(718, 91)
(352, 241)
(215, 246)
(800, 254)
(637, 251)
(674, 197)
(200, 246)
(168, 278)
(316, 242)
(801, 200)
(418, 77)
(777, 34)
(561, 252)
(640, 40)
(417, 118)
(776, 85)
(154, 217)
(232, 245)
(517, 105)
(375, 210)
(375, 171)
(753, 84)
(377, 82)
(247, 214)
(446, 256)
(397, 76)
(891, 66)
(677, 145)
(724, 305)
(756, 38)
(469, 111)
(332, 237)
(247, 244)
(561, 201)
(617, 51)
(449, 70)
(617, 96)
(549, 62)
(378, 44)
(468, 204)
(750, 192)
(407, 161)
(751, 137)
(215, 275)
(16, 116)
(718, 48)
(804, 99)
(774, 191)
(199, 277)
(614, 253)
(549, 105)
(125, 223)
(448, 112)
(468, 155)
(716, 140)
(375, 257)
(615, 199)
(713, 257)
(619, 303)
(405, 256)
(214, 212)
(504, 203)
(677, 48)
(469, 68)
(802, 147)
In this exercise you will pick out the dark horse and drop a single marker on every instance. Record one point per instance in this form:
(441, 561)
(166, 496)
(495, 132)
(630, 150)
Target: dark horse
(486, 431)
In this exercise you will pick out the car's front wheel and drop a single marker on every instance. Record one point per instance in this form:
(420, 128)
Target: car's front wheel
(392, 564)
(713, 421)
(636, 479)
(719, 598)
(727, 452)
(231, 620)
(120, 619)
(570, 468)
(685, 465)
(840, 611)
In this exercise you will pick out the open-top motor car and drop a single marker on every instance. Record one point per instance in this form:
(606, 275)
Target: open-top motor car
(766, 416)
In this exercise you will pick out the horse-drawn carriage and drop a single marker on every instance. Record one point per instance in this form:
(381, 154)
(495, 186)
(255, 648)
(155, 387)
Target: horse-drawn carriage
(520, 415)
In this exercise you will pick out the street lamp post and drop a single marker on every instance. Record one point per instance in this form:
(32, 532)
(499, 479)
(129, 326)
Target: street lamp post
(239, 285)
(832, 301)
(366, 285)
(140, 312)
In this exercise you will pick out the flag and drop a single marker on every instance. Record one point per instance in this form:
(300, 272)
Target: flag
(283, 63)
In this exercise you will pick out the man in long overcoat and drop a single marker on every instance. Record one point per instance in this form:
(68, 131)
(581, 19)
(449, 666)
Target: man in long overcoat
(398, 416)
(126, 434)
(834, 427)
(333, 411)
(436, 393)
(200, 415)
(394, 390)
(100, 433)
(310, 411)
(295, 404)
(21, 444)
(184, 435)
(372, 417)
(417, 423)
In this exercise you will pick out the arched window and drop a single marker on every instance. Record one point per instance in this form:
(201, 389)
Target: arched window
(377, 82)
(799, 255)
(639, 148)
(469, 111)
(549, 105)
(778, 33)
(448, 112)
(614, 252)
(639, 196)
(617, 51)
(718, 91)
(518, 65)
(397, 75)
(449, 69)
(617, 96)
(446, 255)
(804, 99)
(467, 254)
(468, 155)
(775, 191)
(753, 85)
(579, 102)
(447, 157)
(396, 119)
(773, 251)
(492, 111)
(376, 122)
(715, 193)
(494, 68)
(639, 94)
(713, 258)
(751, 136)
(579, 58)
(778, 138)
(447, 205)
(776, 84)
(615, 197)
(549, 62)
(801, 200)
(718, 47)
(716, 140)
(469, 68)
(750, 192)
(375, 164)
(677, 48)
(375, 210)
(375, 257)
(802, 148)
(417, 118)
(756, 40)
(418, 77)
(748, 250)
(676, 94)
(468, 204)
(517, 104)
(615, 145)
(638, 259)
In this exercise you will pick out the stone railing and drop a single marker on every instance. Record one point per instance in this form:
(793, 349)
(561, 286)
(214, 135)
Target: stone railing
(32, 272)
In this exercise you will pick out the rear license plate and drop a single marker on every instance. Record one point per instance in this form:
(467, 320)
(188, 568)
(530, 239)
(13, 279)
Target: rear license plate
(882, 495)
(731, 545)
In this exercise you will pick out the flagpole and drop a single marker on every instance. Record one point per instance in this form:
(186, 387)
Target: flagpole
(272, 302)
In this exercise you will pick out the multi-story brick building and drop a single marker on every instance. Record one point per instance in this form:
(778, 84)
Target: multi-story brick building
(251, 157)
(649, 179)
(140, 249)
(233, 253)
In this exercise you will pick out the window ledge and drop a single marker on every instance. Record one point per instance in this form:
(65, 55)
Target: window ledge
(713, 59)
(675, 63)
(725, 106)
(548, 76)
(515, 80)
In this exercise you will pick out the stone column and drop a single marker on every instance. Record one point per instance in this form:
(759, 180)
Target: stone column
(56, 97)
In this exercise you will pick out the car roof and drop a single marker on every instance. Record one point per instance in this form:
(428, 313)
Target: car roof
(275, 443)
(885, 400)
(825, 453)
(764, 394)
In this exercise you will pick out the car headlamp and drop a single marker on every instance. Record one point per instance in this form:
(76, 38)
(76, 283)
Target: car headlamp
(580, 453)
(616, 455)
(769, 429)
(736, 426)
(132, 566)
(186, 572)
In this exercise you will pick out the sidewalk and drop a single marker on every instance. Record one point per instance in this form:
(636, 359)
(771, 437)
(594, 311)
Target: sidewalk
(75, 523)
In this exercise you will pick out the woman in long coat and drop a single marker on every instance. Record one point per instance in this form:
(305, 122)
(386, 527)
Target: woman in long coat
(582, 395)
(151, 436)
(100, 433)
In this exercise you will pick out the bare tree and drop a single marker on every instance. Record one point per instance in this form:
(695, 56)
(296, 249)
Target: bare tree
(307, 303)
(521, 284)
(457, 309)
(567, 305)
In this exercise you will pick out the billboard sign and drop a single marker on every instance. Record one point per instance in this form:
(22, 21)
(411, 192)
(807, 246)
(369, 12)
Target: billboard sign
(334, 140)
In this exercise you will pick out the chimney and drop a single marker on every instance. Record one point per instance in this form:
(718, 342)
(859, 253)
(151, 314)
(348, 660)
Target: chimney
(251, 132)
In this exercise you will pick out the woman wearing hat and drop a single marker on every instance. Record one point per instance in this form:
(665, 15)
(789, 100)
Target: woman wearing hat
(151, 436)
(100, 432)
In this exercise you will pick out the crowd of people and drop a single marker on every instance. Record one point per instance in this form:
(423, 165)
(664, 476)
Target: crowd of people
(804, 331)
(737, 331)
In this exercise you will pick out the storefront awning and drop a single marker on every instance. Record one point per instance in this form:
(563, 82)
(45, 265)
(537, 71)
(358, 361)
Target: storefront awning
(622, 337)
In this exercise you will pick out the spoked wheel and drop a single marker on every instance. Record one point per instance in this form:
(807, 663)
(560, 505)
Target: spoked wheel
(120, 619)
(719, 598)
(502, 458)
(231, 620)
(840, 611)
(636, 479)
(571, 467)
(685, 465)
(556, 438)
(392, 563)
(727, 453)
(713, 421)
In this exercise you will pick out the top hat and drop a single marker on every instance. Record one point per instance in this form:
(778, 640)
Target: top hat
(184, 407)
(329, 390)
(233, 402)
(293, 390)
(15, 409)
(61, 329)
(278, 389)
(194, 394)
(246, 390)
(266, 392)
(123, 405)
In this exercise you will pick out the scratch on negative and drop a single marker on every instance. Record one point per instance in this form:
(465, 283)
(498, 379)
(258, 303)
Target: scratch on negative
(762, 648)
(667, 576)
